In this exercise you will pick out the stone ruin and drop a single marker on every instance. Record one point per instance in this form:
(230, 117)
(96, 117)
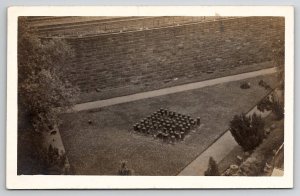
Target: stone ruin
(166, 125)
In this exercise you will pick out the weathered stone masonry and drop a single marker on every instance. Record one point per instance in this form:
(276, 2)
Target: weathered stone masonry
(150, 58)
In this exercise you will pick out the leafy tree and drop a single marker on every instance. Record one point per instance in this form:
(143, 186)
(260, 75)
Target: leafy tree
(43, 93)
(212, 169)
(248, 132)
(43, 90)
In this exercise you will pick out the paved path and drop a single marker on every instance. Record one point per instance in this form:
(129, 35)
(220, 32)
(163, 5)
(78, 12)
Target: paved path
(218, 150)
(170, 90)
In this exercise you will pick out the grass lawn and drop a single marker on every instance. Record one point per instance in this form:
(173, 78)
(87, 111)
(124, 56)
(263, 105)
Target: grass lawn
(98, 148)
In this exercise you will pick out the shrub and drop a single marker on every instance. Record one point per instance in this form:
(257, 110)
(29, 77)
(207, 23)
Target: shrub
(212, 169)
(272, 103)
(262, 83)
(245, 85)
(248, 132)
(51, 161)
(124, 171)
(278, 110)
(278, 58)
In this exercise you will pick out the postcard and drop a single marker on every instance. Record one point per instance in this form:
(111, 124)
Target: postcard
(150, 97)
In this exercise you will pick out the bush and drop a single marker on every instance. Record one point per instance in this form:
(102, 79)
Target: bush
(51, 161)
(245, 85)
(124, 171)
(278, 58)
(262, 83)
(212, 169)
(278, 110)
(248, 132)
(272, 103)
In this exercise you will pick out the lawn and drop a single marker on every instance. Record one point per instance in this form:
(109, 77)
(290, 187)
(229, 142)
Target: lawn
(99, 147)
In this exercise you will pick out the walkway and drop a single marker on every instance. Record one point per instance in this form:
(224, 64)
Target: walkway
(170, 90)
(218, 151)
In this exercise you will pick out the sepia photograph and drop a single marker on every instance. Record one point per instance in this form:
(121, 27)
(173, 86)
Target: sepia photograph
(152, 95)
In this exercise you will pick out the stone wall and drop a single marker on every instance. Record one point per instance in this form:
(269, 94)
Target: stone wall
(151, 59)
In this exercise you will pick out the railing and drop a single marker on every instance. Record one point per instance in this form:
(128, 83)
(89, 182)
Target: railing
(116, 25)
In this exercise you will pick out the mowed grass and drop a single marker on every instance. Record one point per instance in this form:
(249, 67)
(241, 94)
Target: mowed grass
(98, 148)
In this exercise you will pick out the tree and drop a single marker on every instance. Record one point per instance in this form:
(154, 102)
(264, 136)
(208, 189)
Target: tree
(43, 89)
(248, 132)
(43, 93)
(212, 169)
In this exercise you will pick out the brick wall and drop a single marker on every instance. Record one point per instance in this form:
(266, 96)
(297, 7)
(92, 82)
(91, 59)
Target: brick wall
(149, 59)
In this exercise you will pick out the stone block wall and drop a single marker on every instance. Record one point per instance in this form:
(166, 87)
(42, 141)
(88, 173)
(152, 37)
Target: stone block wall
(191, 52)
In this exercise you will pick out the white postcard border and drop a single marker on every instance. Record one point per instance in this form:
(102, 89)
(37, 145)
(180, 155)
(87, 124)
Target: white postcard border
(13, 181)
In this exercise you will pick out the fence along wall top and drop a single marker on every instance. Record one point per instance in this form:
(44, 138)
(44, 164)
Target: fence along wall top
(119, 31)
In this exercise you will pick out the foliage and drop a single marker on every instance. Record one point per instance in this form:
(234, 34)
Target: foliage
(272, 103)
(212, 169)
(278, 58)
(245, 85)
(254, 165)
(53, 160)
(278, 109)
(42, 86)
(124, 171)
(247, 131)
(34, 158)
(265, 104)
(262, 83)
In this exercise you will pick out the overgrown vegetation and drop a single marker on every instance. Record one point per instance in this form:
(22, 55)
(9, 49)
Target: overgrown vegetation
(245, 85)
(42, 85)
(272, 103)
(43, 93)
(212, 169)
(248, 131)
(263, 84)
(124, 171)
(34, 158)
(278, 58)
(263, 155)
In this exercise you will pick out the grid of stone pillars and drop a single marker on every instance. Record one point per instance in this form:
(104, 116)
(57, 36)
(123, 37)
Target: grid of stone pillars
(166, 125)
